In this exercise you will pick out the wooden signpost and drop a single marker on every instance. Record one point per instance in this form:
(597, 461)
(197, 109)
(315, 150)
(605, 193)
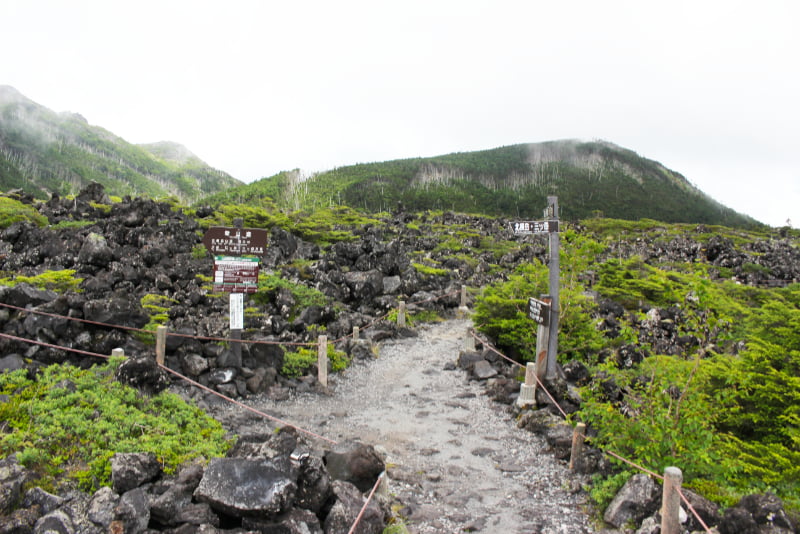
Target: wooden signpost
(544, 311)
(235, 270)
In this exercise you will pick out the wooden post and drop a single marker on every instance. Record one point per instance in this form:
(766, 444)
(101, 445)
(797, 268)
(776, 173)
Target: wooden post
(671, 501)
(463, 311)
(401, 313)
(542, 344)
(322, 360)
(356, 332)
(527, 391)
(576, 455)
(469, 341)
(161, 344)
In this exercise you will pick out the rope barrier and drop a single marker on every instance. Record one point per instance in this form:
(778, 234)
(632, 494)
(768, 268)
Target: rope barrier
(637, 466)
(182, 377)
(691, 509)
(87, 321)
(608, 452)
(204, 338)
(252, 341)
(366, 503)
(245, 406)
(300, 429)
(539, 382)
(51, 346)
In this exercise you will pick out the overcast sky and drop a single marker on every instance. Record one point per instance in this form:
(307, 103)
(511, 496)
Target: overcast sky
(710, 89)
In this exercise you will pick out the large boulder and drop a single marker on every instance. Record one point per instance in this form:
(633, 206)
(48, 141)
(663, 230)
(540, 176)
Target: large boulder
(756, 514)
(242, 487)
(131, 470)
(364, 285)
(144, 374)
(637, 499)
(23, 295)
(115, 311)
(96, 251)
(12, 478)
(356, 463)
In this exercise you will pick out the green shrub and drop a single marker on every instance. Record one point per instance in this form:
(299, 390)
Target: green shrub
(427, 270)
(304, 296)
(64, 225)
(68, 422)
(663, 419)
(12, 211)
(59, 281)
(157, 307)
(297, 363)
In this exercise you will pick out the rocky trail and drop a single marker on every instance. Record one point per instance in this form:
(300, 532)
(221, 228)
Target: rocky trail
(456, 462)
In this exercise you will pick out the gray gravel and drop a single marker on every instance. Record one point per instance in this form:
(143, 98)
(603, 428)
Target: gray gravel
(456, 460)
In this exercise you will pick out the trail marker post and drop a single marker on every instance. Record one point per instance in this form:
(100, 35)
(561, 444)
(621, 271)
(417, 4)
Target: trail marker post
(671, 501)
(234, 272)
(545, 311)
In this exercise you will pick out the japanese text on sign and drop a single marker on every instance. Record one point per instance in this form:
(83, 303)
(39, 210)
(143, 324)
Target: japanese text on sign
(534, 227)
(235, 275)
(539, 311)
(221, 240)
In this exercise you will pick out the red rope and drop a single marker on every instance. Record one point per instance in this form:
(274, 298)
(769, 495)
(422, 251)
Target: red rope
(189, 380)
(366, 503)
(245, 406)
(87, 321)
(51, 346)
(539, 382)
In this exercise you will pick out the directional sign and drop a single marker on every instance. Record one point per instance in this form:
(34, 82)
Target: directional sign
(534, 227)
(235, 275)
(539, 311)
(236, 241)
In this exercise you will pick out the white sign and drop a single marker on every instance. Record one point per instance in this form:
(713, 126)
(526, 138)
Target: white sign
(534, 227)
(237, 311)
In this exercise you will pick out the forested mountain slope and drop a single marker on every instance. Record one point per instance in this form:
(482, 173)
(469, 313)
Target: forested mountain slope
(590, 178)
(45, 152)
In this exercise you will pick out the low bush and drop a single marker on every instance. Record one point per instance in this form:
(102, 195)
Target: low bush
(66, 423)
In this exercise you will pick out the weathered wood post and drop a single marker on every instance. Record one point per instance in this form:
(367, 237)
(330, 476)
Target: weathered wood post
(401, 313)
(543, 342)
(463, 310)
(469, 341)
(161, 344)
(322, 360)
(671, 501)
(576, 454)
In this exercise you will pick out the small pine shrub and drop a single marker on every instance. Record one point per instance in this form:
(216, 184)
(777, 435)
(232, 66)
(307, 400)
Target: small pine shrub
(68, 423)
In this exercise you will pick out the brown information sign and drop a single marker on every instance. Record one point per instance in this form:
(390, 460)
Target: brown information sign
(236, 241)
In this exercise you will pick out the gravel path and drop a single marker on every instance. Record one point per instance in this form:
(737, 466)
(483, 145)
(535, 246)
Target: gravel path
(455, 459)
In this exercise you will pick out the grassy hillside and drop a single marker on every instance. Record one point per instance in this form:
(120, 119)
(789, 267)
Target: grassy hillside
(590, 178)
(42, 152)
